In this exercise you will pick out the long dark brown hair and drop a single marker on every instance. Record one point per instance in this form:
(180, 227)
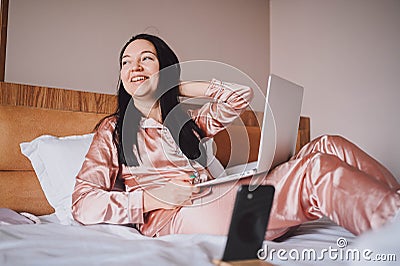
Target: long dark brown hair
(184, 130)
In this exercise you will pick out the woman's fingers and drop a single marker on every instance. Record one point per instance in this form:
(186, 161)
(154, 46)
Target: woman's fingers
(186, 186)
(172, 194)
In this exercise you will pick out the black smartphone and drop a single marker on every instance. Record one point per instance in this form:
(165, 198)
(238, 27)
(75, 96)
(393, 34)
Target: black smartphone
(248, 223)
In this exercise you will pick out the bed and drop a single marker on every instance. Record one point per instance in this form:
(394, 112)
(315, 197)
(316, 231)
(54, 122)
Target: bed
(37, 178)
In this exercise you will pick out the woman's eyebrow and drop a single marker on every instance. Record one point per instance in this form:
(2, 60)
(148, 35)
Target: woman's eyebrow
(147, 51)
(142, 52)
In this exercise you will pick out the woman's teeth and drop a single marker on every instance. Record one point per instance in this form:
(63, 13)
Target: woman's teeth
(135, 79)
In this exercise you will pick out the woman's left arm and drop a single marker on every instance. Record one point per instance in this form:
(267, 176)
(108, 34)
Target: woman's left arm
(229, 101)
(193, 89)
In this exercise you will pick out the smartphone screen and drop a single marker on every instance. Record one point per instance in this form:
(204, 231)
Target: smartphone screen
(248, 223)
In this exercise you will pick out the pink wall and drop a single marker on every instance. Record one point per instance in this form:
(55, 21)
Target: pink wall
(346, 54)
(75, 44)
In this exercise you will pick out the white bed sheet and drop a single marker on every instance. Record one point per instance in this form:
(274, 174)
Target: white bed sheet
(51, 243)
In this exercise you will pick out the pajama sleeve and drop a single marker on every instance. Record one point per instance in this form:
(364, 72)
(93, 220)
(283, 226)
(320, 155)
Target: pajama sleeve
(94, 200)
(228, 101)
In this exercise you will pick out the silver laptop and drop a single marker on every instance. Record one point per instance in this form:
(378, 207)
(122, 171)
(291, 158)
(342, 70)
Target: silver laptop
(278, 132)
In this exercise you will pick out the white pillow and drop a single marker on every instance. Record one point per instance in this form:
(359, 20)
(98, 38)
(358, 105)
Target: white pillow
(57, 161)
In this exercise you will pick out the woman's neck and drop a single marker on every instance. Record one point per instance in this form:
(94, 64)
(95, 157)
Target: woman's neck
(149, 109)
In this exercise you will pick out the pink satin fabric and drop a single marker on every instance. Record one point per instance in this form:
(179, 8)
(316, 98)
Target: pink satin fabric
(330, 176)
(98, 196)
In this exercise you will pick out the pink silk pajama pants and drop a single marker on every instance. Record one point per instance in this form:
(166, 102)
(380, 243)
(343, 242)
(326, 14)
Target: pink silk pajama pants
(330, 177)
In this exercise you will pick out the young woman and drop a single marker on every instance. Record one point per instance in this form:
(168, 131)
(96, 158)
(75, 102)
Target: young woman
(144, 159)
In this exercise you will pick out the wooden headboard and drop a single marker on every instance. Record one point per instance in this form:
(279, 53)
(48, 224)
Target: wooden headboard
(27, 112)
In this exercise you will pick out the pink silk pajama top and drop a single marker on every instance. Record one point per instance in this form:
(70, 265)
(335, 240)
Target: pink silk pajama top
(96, 198)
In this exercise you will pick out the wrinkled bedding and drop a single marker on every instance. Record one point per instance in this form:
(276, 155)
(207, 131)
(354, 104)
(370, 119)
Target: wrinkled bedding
(50, 243)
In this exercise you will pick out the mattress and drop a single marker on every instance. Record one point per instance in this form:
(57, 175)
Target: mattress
(51, 243)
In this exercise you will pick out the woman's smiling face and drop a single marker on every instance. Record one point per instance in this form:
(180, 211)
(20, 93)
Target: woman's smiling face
(139, 68)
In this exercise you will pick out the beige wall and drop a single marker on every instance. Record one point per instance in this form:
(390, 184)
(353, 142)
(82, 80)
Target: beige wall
(347, 55)
(75, 43)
